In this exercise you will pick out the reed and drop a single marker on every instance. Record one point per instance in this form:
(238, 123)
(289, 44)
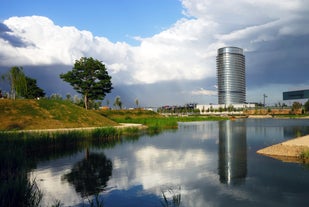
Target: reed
(105, 133)
(96, 202)
(15, 187)
(304, 155)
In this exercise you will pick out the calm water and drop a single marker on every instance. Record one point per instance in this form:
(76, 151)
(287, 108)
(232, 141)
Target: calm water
(200, 164)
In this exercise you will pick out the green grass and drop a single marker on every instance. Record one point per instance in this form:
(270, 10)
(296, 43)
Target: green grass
(292, 116)
(53, 114)
(154, 121)
(47, 114)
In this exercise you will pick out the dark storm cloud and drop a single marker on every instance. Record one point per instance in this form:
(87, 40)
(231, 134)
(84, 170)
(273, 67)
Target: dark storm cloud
(283, 61)
(48, 78)
(7, 35)
(163, 93)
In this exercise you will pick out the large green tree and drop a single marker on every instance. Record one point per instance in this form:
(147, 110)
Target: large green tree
(90, 78)
(17, 80)
(33, 91)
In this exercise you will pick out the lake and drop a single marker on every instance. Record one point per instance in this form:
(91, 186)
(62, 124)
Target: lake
(199, 164)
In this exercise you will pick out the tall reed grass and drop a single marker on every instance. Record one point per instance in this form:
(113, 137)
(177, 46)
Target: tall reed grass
(304, 156)
(19, 153)
(15, 187)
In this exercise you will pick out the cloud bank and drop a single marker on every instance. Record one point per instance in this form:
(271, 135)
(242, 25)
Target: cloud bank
(274, 35)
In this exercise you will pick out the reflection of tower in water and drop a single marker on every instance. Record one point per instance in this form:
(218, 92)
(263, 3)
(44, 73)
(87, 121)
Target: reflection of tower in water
(232, 152)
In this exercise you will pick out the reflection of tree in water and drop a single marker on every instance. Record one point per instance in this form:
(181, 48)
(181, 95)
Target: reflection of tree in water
(90, 175)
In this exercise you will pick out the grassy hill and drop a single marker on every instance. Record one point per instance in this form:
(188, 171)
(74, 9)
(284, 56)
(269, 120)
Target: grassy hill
(47, 114)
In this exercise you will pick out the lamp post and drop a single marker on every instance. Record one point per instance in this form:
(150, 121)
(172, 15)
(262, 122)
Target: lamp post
(264, 96)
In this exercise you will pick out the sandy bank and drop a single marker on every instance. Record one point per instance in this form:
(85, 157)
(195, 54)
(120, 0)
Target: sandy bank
(288, 150)
(267, 116)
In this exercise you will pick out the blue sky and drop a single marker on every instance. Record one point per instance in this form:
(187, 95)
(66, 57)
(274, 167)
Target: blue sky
(162, 52)
(118, 20)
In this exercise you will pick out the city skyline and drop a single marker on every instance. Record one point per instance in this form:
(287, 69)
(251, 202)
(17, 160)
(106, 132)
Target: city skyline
(163, 48)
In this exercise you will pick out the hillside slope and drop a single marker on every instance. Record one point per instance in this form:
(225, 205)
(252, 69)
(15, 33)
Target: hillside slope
(47, 114)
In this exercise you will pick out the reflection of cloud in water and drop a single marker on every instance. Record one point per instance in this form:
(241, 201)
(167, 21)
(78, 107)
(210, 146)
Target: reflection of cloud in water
(160, 166)
(200, 128)
(54, 189)
(155, 167)
(48, 177)
(189, 165)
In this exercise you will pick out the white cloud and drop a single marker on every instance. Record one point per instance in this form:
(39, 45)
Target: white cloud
(203, 91)
(52, 44)
(185, 51)
(166, 56)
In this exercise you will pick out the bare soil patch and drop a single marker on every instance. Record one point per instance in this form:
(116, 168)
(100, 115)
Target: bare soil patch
(288, 151)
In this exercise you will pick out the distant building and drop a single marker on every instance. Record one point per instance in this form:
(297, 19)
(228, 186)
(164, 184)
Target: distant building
(231, 76)
(292, 95)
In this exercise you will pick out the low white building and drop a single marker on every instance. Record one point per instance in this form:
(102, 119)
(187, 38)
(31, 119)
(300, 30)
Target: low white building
(210, 108)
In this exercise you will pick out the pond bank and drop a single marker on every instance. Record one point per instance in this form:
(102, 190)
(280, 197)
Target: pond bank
(288, 151)
(121, 125)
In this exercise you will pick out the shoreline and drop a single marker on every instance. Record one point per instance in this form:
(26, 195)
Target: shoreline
(287, 151)
(120, 126)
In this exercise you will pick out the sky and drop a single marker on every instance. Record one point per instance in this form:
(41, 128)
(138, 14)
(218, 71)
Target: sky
(161, 52)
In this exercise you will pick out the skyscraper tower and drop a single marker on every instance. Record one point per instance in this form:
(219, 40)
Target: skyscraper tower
(231, 76)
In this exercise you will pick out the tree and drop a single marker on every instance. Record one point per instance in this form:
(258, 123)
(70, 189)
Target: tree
(118, 102)
(17, 80)
(33, 91)
(136, 102)
(90, 78)
(306, 105)
(296, 106)
(68, 97)
(55, 96)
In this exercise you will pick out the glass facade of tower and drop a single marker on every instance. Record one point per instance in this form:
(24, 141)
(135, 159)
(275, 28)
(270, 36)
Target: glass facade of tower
(231, 75)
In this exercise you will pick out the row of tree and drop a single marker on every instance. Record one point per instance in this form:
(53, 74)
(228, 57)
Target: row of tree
(21, 85)
(88, 77)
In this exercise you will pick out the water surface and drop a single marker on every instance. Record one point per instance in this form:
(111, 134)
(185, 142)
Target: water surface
(200, 164)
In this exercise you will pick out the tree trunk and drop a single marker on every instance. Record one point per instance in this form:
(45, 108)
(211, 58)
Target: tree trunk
(86, 101)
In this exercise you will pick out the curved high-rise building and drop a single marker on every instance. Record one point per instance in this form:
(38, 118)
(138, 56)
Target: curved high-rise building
(231, 75)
